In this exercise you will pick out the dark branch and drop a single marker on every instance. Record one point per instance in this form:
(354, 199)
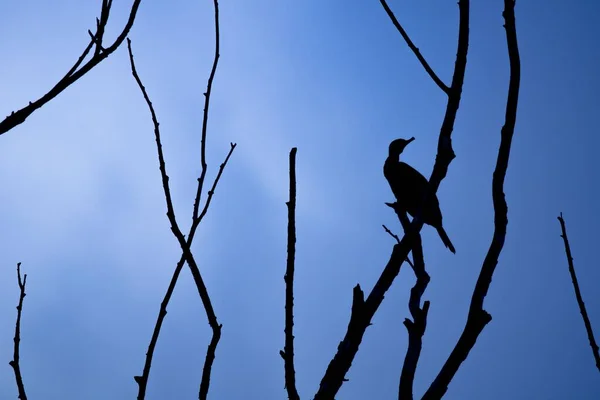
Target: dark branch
(415, 49)
(205, 115)
(363, 311)
(17, 340)
(201, 287)
(288, 352)
(416, 327)
(478, 318)
(582, 310)
(101, 53)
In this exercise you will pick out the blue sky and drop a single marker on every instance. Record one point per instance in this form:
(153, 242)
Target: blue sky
(82, 206)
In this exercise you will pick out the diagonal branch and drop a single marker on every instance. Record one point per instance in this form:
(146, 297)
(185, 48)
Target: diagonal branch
(415, 49)
(202, 290)
(582, 310)
(478, 318)
(18, 117)
(363, 311)
(15, 361)
(288, 352)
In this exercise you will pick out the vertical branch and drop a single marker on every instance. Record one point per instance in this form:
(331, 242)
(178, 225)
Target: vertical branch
(478, 318)
(582, 310)
(288, 352)
(15, 361)
(205, 115)
(416, 327)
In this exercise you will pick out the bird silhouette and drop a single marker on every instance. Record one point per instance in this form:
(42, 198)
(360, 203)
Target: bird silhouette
(410, 187)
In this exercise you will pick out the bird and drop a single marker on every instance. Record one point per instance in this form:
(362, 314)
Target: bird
(409, 188)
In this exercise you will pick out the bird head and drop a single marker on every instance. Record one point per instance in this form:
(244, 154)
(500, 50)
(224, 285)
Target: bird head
(397, 146)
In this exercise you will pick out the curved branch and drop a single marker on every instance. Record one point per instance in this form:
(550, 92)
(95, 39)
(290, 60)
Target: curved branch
(478, 318)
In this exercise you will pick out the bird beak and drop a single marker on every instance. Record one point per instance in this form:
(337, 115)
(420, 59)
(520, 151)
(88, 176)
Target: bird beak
(410, 140)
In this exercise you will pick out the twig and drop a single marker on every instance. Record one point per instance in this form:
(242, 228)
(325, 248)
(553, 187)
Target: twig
(15, 361)
(288, 352)
(478, 318)
(202, 290)
(582, 310)
(363, 311)
(398, 241)
(101, 53)
(415, 49)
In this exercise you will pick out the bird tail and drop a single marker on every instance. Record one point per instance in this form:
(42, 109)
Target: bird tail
(445, 239)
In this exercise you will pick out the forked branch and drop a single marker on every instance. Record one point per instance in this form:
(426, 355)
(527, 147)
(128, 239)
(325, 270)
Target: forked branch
(582, 310)
(187, 255)
(100, 53)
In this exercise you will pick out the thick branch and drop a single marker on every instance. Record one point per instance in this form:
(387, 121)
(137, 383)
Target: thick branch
(202, 290)
(288, 352)
(478, 318)
(363, 312)
(415, 49)
(582, 310)
(101, 53)
(17, 340)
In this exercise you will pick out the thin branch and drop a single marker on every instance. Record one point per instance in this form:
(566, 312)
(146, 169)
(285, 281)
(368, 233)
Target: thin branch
(392, 234)
(205, 115)
(416, 327)
(415, 49)
(288, 352)
(18, 117)
(582, 310)
(201, 287)
(363, 311)
(15, 361)
(478, 318)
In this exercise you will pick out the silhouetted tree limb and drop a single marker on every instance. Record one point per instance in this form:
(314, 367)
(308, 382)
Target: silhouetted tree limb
(288, 352)
(414, 48)
(17, 340)
(416, 327)
(478, 318)
(185, 245)
(582, 310)
(363, 311)
(100, 53)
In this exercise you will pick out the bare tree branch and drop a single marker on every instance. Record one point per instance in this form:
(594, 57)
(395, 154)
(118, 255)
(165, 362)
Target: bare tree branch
(288, 352)
(15, 361)
(478, 318)
(100, 53)
(414, 48)
(205, 115)
(202, 290)
(582, 310)
(416, 327)
(363, 311)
